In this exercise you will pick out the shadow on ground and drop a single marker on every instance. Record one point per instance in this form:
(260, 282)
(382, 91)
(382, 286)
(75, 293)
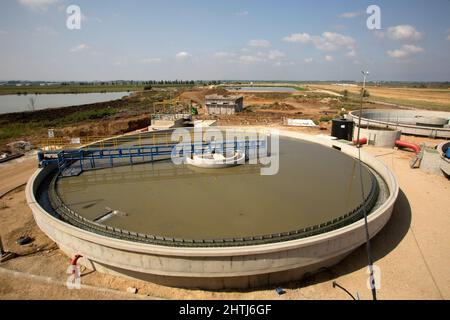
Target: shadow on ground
(382, 244)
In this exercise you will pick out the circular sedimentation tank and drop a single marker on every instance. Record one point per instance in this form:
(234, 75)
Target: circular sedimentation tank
(435, 124)
(217, 228)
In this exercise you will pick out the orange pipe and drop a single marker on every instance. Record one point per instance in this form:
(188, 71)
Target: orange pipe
(402, 144)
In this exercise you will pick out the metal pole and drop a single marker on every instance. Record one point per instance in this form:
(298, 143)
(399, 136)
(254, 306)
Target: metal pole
(360, 110)
(368, 246)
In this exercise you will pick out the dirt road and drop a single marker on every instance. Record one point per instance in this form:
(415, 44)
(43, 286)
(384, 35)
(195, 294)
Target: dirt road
(16, 172)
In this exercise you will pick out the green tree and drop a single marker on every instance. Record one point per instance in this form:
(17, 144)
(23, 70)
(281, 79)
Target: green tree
(345, 95)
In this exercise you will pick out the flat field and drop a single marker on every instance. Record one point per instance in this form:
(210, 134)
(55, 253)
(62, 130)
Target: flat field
(422, 98)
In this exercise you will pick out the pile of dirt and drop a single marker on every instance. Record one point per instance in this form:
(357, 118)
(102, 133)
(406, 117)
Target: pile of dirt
(282, 107)
(218, 91)
(107, 127)
(198, 96)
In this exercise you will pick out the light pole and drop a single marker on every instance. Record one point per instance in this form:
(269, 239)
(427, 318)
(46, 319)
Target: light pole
(368, 248)
(363, 91)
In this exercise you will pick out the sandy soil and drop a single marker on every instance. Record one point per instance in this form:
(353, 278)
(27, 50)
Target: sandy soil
(438, 96)
(27, 165)
(412, 251)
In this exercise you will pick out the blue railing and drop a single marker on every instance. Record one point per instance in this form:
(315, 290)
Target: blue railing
(73, 162)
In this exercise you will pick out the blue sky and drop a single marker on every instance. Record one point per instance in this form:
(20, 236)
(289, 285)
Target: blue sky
(232, 39)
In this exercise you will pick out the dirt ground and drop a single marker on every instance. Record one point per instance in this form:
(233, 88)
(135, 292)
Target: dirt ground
(437, 96)
(412, 251)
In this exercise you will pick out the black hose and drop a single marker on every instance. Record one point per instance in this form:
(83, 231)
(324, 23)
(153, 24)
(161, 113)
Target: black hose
(335, 284)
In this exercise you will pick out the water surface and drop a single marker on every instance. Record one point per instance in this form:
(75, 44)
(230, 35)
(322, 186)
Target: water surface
(315, 184)
(18, 103)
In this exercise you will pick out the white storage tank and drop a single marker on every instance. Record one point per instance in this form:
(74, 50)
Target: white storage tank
(379, 137)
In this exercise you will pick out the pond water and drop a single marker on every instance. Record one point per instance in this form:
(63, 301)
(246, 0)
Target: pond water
(18, 103)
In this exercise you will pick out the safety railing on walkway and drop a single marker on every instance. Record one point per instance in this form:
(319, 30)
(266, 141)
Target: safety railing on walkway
(74, 162)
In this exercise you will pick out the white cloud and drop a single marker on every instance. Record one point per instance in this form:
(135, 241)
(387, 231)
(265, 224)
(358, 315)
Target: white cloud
(250, 59)
(283, 63)
(448, 37)
(337, 39)
(241, 13)
(38, 4)
(404, 32)
(223, 54)
(80, 48)
(351, 53)
(328, 41)
(405, 52)
(3, 32)
(183, 55)
(276, 55)
(309, 60)
(46, 31)
(298, 37)
(151, 60)
(259, 43)
(350, 15)
(329, 58)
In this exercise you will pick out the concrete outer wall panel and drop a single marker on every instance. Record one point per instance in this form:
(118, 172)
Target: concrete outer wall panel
(404, 120)
(379, 138)
(216, 268)
(445, 163)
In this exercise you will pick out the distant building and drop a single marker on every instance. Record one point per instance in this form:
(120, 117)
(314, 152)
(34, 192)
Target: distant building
(223, 105)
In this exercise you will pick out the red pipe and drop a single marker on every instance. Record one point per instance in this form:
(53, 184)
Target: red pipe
(402, 144)
(74, 261)
(361, 141)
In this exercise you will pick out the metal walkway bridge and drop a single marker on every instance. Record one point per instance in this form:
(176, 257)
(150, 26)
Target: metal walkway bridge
(74, 162)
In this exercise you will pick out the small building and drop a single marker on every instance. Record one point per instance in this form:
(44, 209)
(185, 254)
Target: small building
(223, 105)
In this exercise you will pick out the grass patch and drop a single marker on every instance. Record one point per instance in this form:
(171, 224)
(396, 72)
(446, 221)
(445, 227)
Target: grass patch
(16, 130)
(272, 95)
(298, 88)
(89, 115)
(326, 118)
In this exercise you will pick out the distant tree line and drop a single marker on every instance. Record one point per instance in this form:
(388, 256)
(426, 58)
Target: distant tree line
(143, 83)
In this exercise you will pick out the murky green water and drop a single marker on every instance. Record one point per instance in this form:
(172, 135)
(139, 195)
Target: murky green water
(315, 184)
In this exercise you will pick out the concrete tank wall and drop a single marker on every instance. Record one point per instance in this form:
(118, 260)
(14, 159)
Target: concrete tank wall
(218, 268)
(407, 121)
(445, 162)
(378, 137)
